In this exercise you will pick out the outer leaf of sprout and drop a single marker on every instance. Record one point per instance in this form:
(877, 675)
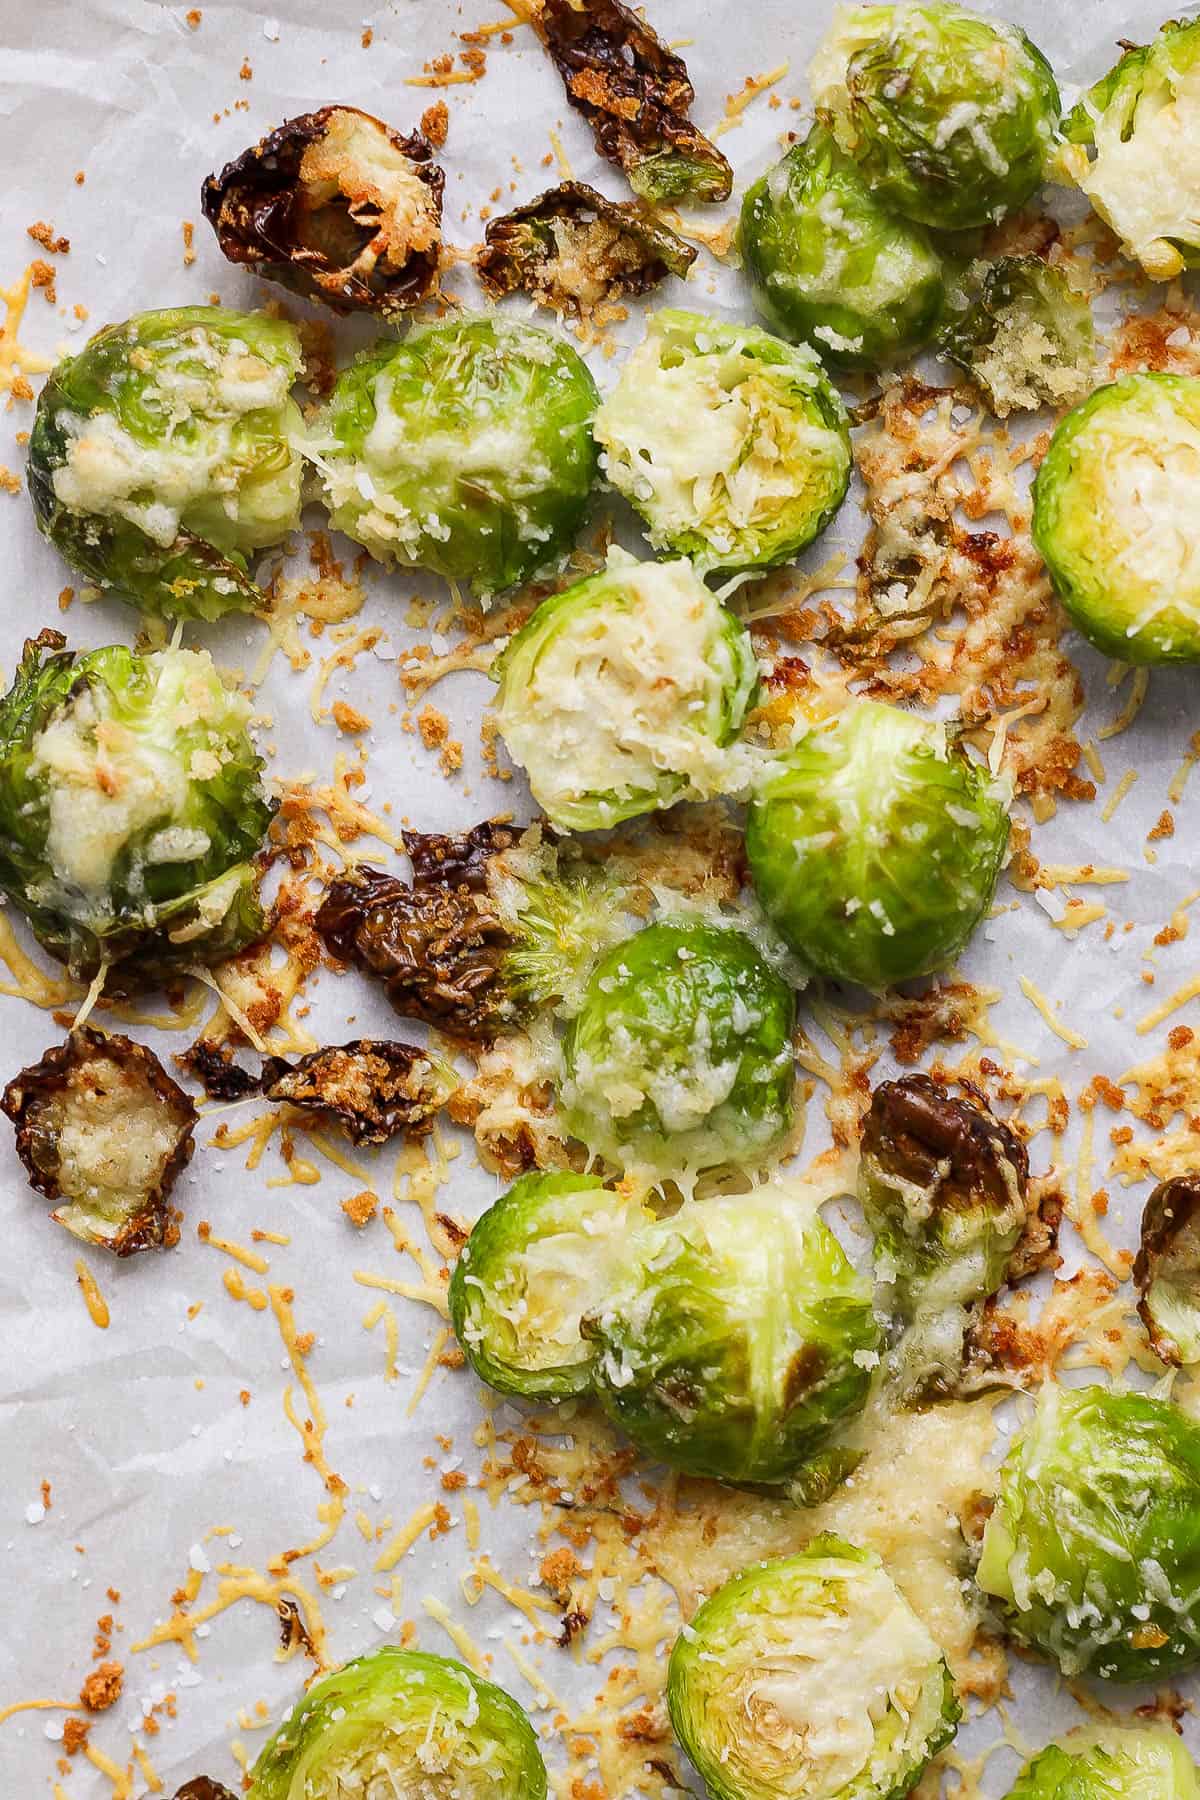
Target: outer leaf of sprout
(1111, 1762)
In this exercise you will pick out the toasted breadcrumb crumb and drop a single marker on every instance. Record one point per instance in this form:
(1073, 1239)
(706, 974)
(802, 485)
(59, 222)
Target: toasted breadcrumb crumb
(435, 123)
(102, 1688)
(360, 1208)
(43, 234)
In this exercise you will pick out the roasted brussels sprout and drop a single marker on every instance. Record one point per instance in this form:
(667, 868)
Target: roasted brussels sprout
(680, 1056)
(732, 445)
(102, 1129)
(620, 695)
(735, 1336)
(404, 1722)
(950, 116)
(876, 848)
(336, 206)
(635, 95)
(1166, 1272)
(373, 1088)
(1114, 505)
(162, 456)
(571, 248)
(1140, 123)
(1093, 1550)
(201, 1788)
(466, 449)
(830, 265)
(131, 807)
(810, 1676)
(1024, 335)
(1108, 1761)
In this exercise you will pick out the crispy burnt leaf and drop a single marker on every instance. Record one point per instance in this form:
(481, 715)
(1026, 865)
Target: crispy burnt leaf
(635, 95)
(459, 859)
(201, 1787)
(373, 1087)
(1166, 1272)
(338, 207)
(571, 248)
(102, 1129)
(213, 1066)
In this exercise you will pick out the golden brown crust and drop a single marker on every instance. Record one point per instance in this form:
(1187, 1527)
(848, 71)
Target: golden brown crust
(571, 249)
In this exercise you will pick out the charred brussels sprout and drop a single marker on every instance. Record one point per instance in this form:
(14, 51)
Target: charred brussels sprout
(336, 206)
(830, 265)
(201, 1788)
(876, 848)
(620, 695)
(681, 1055)
(1025, 338)
(735, 1337)
(372, 1088)
(466, 449)
(571, 248)
(162, 456)
(535, 1263)
(131, 807)
(810, 1678)
(1114, 504)
(1141, 123)
(399, 1721)
(950, 116)
(732, 445)
(1111, 1762)
(1167, 1270)
(102, 1129)
(1093, 1550)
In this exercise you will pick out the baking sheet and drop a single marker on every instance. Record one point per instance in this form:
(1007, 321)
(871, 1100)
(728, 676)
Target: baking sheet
(139, 1429)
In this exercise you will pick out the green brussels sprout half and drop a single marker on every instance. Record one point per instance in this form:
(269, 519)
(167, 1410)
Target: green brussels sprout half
(1093, 1550)
(1026, 337)
(830, 265)
(1111, 1762)
(131, 808)
(466, 449)
(1140, 123)
(810, 1678)
(950, 116)
(535, 1263)
(876, 848)
(732, 445)
(735, 1337)
(1114, 507)
(680, 1056)
(620, 694)
(1166, 1272)
(403, 1722)
(162, 456)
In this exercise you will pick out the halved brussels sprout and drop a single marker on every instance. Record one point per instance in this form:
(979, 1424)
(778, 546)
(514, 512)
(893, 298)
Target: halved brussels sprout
(829, 264)
(402, 1722)
(1141, 121)
(572, 248)
(735, 1336)
(1111, 1762)
(876, 848)
(131, 807)
(810, 1678)
(620, 694)
(162, 456)
(950, 116)
(540, 1258)
(466, 449)
(1025, 338)
(680, 1056)
(1093, 1549)
(732, 445)
(1166, 1272)
(1115, 502)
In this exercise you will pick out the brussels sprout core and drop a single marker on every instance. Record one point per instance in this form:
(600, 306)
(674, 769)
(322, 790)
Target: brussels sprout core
(876, 849)
(1167, 1270)
(1111, 1762)
(732, 446)
(810, 1678)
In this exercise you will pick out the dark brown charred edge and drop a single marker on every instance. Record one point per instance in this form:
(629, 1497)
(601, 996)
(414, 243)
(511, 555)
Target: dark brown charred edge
(914, 1126)
(1172, 1210)
(151, 1226)
(212, 1065)
(374, 1088)
(624, 248)
(455, 860)
(572, 1625)
(202, 1787)
(293, 1632)
(263, 221)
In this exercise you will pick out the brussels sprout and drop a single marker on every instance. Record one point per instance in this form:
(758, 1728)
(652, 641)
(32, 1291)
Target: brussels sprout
(466, 449)
(1140, 123)
(1166, 1272)
(732, 445)
(876, 848)
(1114, 505)
(1111, 1762)
(735, 1336)
(950, 116)
(681, 1055)
(201, 1788)
(535, 1263)
(830, 265)
(620, 694)
(373, 1088)
(161, 456)
(571, 248)
(402, 1722)
(810, 1678)
(131, 806)
(1026, 338)
(1093, 1549)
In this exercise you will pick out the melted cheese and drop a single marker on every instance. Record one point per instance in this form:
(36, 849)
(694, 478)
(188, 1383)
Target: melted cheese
(357, 158)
